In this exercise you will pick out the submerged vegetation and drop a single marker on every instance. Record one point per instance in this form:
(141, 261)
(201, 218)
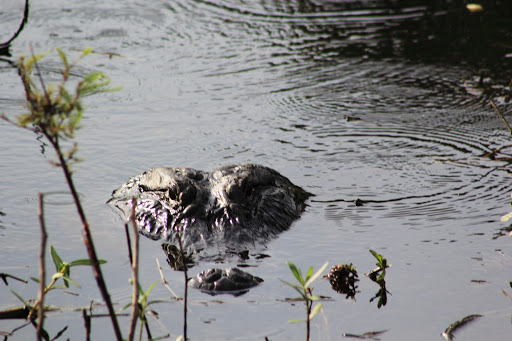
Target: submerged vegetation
(377, 275)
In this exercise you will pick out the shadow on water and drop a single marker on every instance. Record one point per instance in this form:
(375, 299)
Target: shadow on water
(434, 31)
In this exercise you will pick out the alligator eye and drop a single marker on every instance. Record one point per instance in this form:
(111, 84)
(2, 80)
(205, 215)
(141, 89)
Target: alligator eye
(196, 176)
(211, 275)
(246, 186)
(234, 192)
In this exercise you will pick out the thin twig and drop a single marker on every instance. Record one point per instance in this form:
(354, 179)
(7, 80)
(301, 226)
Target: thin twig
(89, 244)
(506, 295)
(135, 272)
(87, 325)
(53, 137)
(4, 277)
(42, 269)
(128, 242)
(185, 295)
(20, 28)
(501, 116)
(40, 76)
(164, 281)
(148, 332)
(497, 150)
(309, 303)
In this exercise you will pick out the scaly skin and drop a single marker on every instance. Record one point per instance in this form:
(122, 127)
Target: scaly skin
(231, 206)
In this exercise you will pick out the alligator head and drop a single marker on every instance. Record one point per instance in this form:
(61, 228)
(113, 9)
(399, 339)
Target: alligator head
(231, 207)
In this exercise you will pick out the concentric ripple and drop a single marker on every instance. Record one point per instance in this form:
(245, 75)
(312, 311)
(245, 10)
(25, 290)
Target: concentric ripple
(404, 172)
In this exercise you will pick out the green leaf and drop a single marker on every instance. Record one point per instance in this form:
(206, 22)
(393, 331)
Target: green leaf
(56, 259)
(299, 289)
(151, 288)
(29, 64)
(94, 82)
(156, 301)
(296, 321)
(63, 57)
(22, 300)
(57, 275)
(66, 279)
(506, 217)
(86, 51)
(141, 292)
(376, 255)
(35, 279)
(316, 275)
(381, 276)
(296, 272)
(66, 269)
(315, 310)
(315, 298)
(310, 272)
(80, 262)
(57, 287)
(85, 262)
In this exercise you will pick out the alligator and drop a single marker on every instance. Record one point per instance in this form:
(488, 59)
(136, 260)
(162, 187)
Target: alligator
(229, 208)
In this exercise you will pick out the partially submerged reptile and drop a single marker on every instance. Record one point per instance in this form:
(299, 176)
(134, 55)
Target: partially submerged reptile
(231, 207)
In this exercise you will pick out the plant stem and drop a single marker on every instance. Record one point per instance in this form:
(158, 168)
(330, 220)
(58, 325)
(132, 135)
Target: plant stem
(146, 325)
(308, 313)
(164, 281)
(42, 269)
(87, 325)
(135, 273)
(89, 245)
(501, 116)
(41, 297)
(185, 296)
(128, 242)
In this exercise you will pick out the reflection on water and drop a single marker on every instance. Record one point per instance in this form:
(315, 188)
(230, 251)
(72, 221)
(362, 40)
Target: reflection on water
(273, 82)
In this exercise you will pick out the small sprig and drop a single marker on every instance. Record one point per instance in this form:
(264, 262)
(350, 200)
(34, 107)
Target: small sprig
(306, 292)
(63, 270)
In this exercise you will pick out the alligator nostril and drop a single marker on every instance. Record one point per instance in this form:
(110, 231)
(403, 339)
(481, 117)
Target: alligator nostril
(174, 191)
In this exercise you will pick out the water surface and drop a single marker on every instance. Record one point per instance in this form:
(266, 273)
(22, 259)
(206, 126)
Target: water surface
(333, 96)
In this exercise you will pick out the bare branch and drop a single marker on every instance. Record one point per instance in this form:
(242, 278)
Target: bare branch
(42, 269)
(164, 281)
(135, 273)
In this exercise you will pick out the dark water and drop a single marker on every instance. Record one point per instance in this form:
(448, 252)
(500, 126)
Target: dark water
(349, 100)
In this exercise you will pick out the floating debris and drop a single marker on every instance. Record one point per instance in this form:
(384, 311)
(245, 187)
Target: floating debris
(366, 336)
(343, 278)
(448, 333)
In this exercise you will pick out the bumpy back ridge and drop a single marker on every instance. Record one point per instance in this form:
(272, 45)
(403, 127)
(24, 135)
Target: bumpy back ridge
(232, 205)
